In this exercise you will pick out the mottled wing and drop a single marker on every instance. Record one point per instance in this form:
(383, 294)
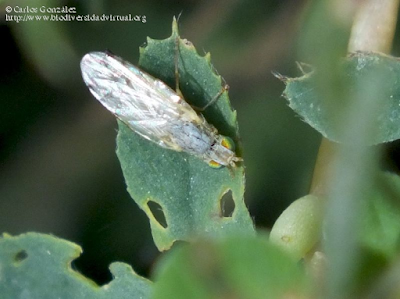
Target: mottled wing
(147, 105)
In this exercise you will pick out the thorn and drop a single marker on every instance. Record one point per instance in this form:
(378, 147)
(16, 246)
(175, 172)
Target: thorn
(179, 16)
(280, 76)
(302, 65)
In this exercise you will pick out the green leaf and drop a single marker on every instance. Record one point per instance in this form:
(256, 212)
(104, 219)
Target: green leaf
(359, 73)
(379, 237)
(187, 189)
(35, 265)
(235, 267)
(381, 221)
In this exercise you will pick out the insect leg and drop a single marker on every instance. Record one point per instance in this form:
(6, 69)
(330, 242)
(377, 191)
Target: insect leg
(177, 89)
(213, 100)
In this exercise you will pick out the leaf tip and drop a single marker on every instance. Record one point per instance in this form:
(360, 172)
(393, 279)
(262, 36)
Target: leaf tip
(207, 57)
(175, 29)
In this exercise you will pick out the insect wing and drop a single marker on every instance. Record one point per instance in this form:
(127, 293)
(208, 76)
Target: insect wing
(147, 105)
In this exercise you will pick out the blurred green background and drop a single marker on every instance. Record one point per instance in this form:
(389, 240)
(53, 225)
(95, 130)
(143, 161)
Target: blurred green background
(58, 170)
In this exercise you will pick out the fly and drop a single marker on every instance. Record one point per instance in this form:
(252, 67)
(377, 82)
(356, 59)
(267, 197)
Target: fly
(153, 110)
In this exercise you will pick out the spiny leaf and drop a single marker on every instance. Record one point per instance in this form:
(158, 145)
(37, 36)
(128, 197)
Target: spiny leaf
(359, 73)
(187, 189)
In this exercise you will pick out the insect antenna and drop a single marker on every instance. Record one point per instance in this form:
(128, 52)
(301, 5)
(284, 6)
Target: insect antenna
(177, 89)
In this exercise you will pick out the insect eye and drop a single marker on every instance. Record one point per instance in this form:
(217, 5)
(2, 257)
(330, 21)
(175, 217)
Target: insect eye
(228, 143)
(214, 164)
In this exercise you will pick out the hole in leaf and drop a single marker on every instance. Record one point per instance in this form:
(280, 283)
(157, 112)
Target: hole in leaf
(20, 256)
(93, 269)
(227, 205)
(158, 213)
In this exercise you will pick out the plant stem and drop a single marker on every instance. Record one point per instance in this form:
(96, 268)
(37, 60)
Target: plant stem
(373, 30)
(343, 172)
(374, 26)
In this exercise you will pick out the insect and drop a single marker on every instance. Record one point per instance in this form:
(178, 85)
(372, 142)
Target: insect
(153, 110)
